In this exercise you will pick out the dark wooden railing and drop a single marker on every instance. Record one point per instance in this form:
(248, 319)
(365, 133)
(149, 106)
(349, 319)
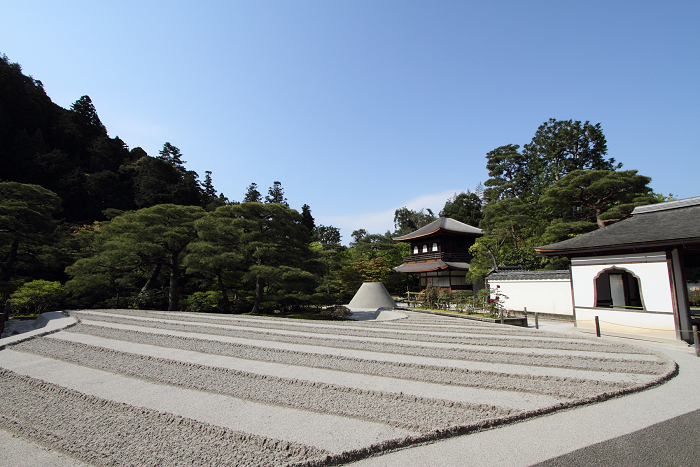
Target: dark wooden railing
(457, 257)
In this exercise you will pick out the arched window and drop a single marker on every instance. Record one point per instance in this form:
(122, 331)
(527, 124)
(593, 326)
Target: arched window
(425, 248)
(415, 249)
(435, 247)
(618, 288)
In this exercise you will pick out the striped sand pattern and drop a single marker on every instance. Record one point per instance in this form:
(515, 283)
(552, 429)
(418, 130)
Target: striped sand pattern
(241, 390)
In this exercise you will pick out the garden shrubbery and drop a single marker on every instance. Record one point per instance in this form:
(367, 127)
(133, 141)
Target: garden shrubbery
(485, 302)
(37, 296)
(694, 297)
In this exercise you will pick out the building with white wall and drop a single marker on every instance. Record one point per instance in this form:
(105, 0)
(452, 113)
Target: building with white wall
(632, 274)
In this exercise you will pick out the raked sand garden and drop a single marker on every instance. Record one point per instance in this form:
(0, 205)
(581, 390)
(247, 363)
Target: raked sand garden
(125, 387)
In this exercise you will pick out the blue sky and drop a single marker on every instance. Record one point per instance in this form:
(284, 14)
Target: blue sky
(361, 107)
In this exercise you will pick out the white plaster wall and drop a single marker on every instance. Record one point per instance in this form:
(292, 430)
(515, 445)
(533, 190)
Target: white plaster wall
(654, 283)
(544, 296)
(628, 322)
(654, 286)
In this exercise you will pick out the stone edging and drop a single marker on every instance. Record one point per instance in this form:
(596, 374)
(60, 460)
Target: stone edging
(53, 325)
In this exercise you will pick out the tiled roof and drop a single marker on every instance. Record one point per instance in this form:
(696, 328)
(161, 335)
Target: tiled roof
(655, 225)
(528, 275)
(444, 224)
(426, 266)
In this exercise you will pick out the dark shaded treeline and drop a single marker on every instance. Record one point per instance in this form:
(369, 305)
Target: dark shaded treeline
(69, 152)
(81, 208)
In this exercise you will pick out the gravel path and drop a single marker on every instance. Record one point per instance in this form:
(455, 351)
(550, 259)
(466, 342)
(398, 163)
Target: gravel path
(238, 390)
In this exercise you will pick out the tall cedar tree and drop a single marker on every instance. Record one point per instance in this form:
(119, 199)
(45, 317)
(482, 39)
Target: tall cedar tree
(464, 207)
(252, 195)
(276, 194)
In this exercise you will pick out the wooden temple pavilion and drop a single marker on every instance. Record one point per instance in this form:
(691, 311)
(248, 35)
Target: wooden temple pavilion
(440, 253)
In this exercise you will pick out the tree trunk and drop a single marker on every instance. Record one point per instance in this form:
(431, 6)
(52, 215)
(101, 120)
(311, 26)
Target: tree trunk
(172, 292)
(598, 220)
(151, 279)
(258, 294)
(113, 286)
(5, 316)
(225, 305)
(9, 265)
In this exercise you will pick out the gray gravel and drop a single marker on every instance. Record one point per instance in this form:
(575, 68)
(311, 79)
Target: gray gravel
(455, 335)
(399, 410)
(460, 326)
(106, 433)
(614, 363)
(569, 388)
(125, 433)
(504, 368)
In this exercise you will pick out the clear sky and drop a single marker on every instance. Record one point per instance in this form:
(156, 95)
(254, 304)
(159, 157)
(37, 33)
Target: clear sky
(361, 107)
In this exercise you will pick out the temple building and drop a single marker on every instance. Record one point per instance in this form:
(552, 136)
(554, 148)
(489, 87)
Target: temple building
(440, 253)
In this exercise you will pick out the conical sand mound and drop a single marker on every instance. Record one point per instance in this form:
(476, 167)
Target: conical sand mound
(372, 295)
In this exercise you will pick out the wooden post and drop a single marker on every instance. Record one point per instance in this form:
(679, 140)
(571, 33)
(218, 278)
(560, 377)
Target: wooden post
(501, 316)
(597, 327)
(697, 341)
(537, 321)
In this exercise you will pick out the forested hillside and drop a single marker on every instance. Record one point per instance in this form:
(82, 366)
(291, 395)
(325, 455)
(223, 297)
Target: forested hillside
(97, 224)
(69, 152)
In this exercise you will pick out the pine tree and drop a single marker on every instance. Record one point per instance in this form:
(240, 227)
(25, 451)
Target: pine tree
(252, 195)
(276, 194)
(172, 154)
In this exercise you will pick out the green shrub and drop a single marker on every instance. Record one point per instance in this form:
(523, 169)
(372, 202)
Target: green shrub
(694, 297)
(40, 295)
(429, 296)
(203, 302)
(464, 300)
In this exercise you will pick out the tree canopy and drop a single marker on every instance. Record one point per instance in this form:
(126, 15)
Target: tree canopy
(27, 227)
(407, 220)
(559, 185)
(465, 207)
(130, 229)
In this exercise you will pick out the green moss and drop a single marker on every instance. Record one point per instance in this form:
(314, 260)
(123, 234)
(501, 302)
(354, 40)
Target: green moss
(26, 317)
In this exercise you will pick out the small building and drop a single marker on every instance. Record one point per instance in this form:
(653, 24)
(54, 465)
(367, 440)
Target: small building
(440, 253)
(632, 274)
(545, 292)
